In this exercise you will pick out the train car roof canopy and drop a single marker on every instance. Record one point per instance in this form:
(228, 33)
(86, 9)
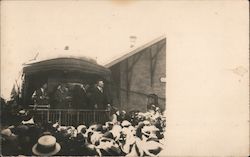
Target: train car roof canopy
(80, 65)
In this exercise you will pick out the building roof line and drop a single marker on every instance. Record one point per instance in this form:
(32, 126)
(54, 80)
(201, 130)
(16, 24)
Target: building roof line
(130, 53)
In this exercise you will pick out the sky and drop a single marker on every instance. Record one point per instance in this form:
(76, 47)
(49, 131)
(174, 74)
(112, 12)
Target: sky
(207, 44)
(100, 30)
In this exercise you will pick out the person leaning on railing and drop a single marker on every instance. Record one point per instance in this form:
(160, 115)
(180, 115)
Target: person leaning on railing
(62, 96)
(40, 96)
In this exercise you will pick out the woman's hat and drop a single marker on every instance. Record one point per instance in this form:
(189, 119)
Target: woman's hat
(125, 123)
(81, 129)
(108, 147)
(146, 122)
(98, 128)
(108, 135)
(6, 132)
(152, 148)
(46, 146)
(149, 131)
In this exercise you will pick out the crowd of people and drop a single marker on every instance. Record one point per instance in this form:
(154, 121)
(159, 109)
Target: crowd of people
(124, 134)
(133, 134)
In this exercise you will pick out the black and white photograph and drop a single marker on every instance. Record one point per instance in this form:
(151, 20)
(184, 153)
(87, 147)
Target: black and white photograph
(124, 78)
(84, 93)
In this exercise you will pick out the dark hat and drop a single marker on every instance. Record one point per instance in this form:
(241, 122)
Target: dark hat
(98, 128)
(108, 135)
(91, 150)
(46, 133)
(112, 151)
(80, 138)
(108, 147)
(22, 130)
(81, 129)
(46, 146)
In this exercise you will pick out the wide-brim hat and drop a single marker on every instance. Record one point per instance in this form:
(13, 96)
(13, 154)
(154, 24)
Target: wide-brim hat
(108, 135)
(6, 132)
(46, 146)
(148, 130)
(53, 152)
(81, 129)
(153, 147)
(111, 151)
(22, 129)
(125, 123)
(98, 128)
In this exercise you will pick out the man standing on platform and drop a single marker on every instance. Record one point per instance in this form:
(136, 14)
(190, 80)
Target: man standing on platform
(62, 97)
(98, 96)
(79, 96)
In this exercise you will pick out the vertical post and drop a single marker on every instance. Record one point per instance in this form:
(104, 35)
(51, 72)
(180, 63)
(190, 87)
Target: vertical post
(60, 114)
(94, 115)
(127, 79)
(77, 119)
(47, 115)
(68, 117)
(151, 67)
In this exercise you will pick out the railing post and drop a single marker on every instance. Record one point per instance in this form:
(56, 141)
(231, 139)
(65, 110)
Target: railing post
(77, 120)
(69, 117)
(60, 114)
(47, 115)
(94, 116)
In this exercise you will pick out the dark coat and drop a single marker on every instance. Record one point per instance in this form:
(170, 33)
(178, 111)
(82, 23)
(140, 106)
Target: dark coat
(79, 98)
(41, 98)
(99, 98)
(62, 97)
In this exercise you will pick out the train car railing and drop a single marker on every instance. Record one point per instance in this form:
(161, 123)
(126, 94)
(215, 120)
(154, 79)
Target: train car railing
(71, 116)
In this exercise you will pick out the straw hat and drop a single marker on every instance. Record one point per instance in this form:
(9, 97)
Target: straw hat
(6, 132)
(146, 122)
(149, 130)
(125, 123)
(81, 129)
(46, 146)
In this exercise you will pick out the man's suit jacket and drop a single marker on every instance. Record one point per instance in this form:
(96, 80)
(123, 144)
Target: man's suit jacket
(79, 98)
(41, 97)
(98, 98)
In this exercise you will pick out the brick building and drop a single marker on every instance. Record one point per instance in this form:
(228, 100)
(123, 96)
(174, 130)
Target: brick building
(138, 74)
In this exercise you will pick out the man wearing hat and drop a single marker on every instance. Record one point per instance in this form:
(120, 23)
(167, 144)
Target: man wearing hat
(108, 147)
(9, 143)
(150, 143)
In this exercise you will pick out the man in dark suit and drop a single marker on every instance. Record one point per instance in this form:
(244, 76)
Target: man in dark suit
(62, 96)
(79, 96)
(98, 96)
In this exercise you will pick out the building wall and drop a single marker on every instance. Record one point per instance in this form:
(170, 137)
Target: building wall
(139, 78)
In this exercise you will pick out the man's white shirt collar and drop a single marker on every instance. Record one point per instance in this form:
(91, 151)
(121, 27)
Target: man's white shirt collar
(100, 88)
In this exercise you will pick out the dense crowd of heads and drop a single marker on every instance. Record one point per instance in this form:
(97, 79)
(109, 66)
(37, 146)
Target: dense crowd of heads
(134, 134)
